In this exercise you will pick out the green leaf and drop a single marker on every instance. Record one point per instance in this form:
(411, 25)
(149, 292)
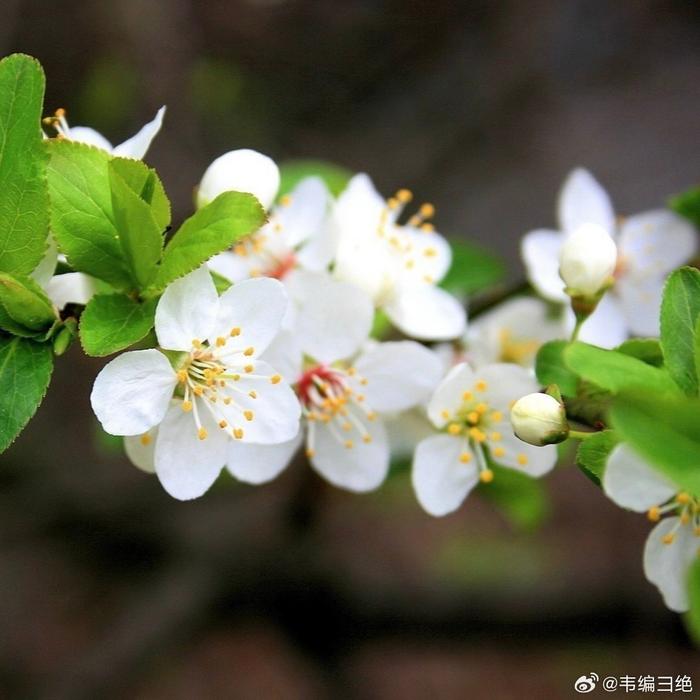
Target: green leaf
(112, 322)
(550, 368)
(687, 204)
(692, 619)
(25, 372)
(212, 229)
(680, 310)
(593, 452)
(25, 302)
(665, 430)
(645, 349)
(81, 212)
(292, 172)
(615, 371)
(24, 216)
(144, 181)
(140, 236)
(697, 348)
(473, 269)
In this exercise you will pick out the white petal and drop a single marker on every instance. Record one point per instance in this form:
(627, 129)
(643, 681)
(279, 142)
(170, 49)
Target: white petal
(427, 313)
(441, 482)
(187, 466)
(256, 307)
(187, 311)
(139, 143)
(431, 254)
(317, 252)
(43, 272)
(302, 218)
(520, 456)
(632, 483)
(231, 266)
(257, 464)
(605, 327)
(584, 201)
(71, 288)
(131, 394)
(399, 375)
(655, 243)
(275, 408)
(84, 134)
(640, 300)
(667, 565)
(505, 384)
(448, 395)
(333, 318)
(406, 430)
(540, 252)
(360, 468)
(285, 355)
(242, 170)
(140, 449)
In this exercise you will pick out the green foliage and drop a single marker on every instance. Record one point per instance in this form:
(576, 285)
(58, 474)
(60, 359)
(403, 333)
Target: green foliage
(687, 204)
(593, 452)
(25, 302)
(645, 349)
(551, 368)
(665, 429)
(693, 617)
(25, 371)
(293, 172)
(680, 311)
(112, 322)
(144, 181)
(474, 269)
(212, 229)
(24, 222)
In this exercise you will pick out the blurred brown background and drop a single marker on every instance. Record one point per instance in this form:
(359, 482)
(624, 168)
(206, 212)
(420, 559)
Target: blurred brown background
(109, 588)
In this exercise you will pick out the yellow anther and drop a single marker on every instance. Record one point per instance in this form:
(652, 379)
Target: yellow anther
(427, 227)
(430, 252)
(240, 249)
(235, 377)
(235, 331)
(223, 424)
(252, 394)
(467, 396)
(476, 434)
(654, 514)
(275, 379)
(367, 439)
(310, 453)
(685, 518)
(496, 437)
(696, 531)
(248, 415)
(349, 444)
(198, 391)
(486, 476)
(197, 343)
(145, 439)
(473, 417)
(683, 498)
(347, 427)
(249, 351)
(181, 376)
(228, 400)
(668, 539)
(371, 416)
(351, 371)
(410, 264)
(363, 381)
(427, 210)
(60, 113)
(238, 433)
(445, 414)
(392, 202)
(454, 428)
(360, 397)
(481, 385)
(481, 407)
(248, 369)
(522, 459)
(498, 452)
(496, 416)
(186, 406)
(285, 200)
(465, 458)
(404, 196)
(202, 433)
(220, 341)
(429, 279)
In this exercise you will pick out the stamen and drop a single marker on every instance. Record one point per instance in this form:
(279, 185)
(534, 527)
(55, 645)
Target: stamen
(186, 406)
(235, 331)
(275, 379)
(202, 433)
(486, 476)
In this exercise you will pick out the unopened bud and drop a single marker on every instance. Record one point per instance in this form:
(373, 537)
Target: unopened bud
(587, 261)
(539, 419)
(243, 170)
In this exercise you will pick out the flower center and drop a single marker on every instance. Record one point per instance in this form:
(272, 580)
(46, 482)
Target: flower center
(327, 398)
(516, 350)
(685, 507)
(58, 123)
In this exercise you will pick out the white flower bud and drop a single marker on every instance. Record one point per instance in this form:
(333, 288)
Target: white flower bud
(587, 260)
(243, 170)
(539, 419)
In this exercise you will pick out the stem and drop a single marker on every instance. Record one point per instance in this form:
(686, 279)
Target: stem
(577, 327)
(581, 434)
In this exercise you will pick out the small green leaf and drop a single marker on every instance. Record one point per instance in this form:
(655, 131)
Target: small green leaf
(474, 269)
(693, 617)
(593, 452)
(25, 372)
(144, 181)
(614, 371)
(25, 302)
(24, 216)
(645, 349)
(293, 172)
(550, 368)
(687, 204)
(211, 230)
(665, 429)
(140, 236)
(81, 212)
(112, 322)
(697, 348)
(680, 310)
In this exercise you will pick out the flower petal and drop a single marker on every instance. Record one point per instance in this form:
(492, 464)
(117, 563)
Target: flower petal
(84, 134)
(640, 302)
(427, 313)
(284, 353)
(231, 266)
(131, 394)
(255, 308)
(406, 430)
(333, 318)
(302, 218)
(140, 449)
(187, 311)
(667, 565)
(187, 466)
(139, 143)
(71, 288)
(258, 464)
(632, 483)
(361, 468)
(441, 482)
(398, 375)
(584, 201)
(448, 396)
(43, 272)
(605, 327)
(540, 252)
(520, 456)
(505, 384)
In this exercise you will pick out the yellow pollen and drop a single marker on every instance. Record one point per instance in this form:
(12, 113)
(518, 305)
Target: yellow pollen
(654, 514)
(181, 376)
(235, 331)
(685, 518)
(496, 437)
(285, 200)
(367, 439)
(467, 396)
(696, 531)
(60, 112)
(197, 343)
(496, 416)
(683, 498)
(427, 210)
(223, 424)
(275, 379)
(252, 395)
(481, 385)
(220, 342)
(498, 452)
(248, 369)
(360, 397)
(248, 415)
(198, 391)
(238, 433)
(404, 196)
(202, 433)
(465, 458)
(371, 416)
(363, 381)
(668, 539)
(476, 434)
(454, 428)
(392, 203)
(249, 351)
(227, 400)
(145, 439)
(486, 476)
(186, 406)
(481, 407)
(445, 414)
(351, 371)
(473, 417)
(240, 250)
(522, 459)
(428, 278)
(347, 427)
(427, 227)
(430, 252)
(410, 264)
(348, 444)
(310, 453)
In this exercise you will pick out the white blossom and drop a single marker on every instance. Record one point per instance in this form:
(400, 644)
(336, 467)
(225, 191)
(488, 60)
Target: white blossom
(587, 260)
(539, 419)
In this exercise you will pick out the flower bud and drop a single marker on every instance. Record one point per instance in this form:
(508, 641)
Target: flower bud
(587, 260)
(539, 419)
(243, 170)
